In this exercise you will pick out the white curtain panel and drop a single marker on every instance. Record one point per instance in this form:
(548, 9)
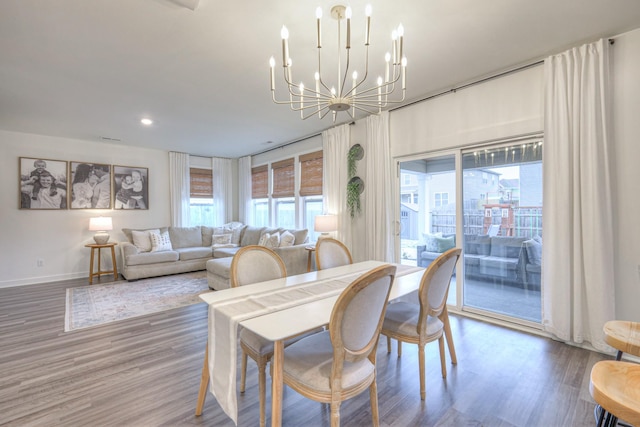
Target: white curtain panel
(378, 204)
(222, 190)
(335, 146)
(179, 192)
(578, 265)
(244, 190)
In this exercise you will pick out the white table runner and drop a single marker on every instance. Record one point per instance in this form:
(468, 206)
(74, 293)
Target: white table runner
(226, 314)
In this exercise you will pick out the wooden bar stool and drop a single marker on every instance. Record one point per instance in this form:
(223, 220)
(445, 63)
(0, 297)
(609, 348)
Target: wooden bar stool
(615, 386)
(623, 336)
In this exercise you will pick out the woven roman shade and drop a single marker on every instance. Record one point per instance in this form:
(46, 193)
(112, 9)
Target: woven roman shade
(283, 178)
(311, 174)
(201, 183)
(259, 182)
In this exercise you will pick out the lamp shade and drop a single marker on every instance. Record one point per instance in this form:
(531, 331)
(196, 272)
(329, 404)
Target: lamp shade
(325, 223)
(101, 223)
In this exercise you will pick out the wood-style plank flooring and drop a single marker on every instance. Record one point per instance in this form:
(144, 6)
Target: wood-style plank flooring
(146, 371)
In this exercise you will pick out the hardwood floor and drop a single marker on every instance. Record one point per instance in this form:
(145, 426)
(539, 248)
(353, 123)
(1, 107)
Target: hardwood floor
(146, 372)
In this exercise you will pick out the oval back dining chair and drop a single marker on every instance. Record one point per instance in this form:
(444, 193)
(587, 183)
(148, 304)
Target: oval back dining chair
(331, 253)
(340, 363)
(425, 321)
(254, 264)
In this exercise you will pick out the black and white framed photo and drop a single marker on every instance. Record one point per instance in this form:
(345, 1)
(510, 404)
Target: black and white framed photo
(43, 183)
(130, 187)
(90, 186)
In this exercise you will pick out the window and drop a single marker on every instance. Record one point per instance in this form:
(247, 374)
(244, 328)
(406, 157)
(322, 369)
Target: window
(441, 199)
(259, 194)
(201, 196)
(288, 193)
(283, 179)
(311, 190)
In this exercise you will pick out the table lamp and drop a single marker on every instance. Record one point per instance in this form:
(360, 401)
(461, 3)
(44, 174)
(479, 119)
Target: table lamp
(101, 224)
(324, 224)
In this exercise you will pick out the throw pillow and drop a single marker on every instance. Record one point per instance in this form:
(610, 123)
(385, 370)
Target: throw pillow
(221, 239)
(263, 239)
(141, 239)
(287, 239)
(445, 243)
(273, 241)
(160, 242)
(534, 251)
(430, 243)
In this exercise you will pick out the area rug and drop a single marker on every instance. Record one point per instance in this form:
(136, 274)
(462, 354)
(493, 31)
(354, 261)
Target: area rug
(95, 305)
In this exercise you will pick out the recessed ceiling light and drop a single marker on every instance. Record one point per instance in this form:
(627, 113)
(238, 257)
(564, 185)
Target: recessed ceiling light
(146, 122)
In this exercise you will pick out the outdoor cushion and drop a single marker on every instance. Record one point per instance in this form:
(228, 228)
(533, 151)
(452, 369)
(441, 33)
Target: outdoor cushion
(534, 251)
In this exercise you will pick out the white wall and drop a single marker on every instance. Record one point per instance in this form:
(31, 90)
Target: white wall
(58, 236)
(626, 170)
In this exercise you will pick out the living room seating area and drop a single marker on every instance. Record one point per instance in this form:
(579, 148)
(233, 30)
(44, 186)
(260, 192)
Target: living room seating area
(170, 250)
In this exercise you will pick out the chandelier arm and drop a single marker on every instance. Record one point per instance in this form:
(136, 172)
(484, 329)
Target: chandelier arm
(320, 75)
(346, 72)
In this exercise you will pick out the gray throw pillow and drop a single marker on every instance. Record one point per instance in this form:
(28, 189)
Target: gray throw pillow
(534, 251)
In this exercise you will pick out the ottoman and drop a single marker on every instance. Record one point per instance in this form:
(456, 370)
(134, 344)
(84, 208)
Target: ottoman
(218, 273)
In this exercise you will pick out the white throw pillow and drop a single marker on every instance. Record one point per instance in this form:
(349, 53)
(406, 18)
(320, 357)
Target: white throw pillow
(160, 242)
(141, 239)
(273, 241)
(221, 239)
(263, 239)
(287, 239)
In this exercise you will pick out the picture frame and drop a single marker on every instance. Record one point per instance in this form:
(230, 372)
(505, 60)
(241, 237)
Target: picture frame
(90, 186)
(42, 183)
(130, 187)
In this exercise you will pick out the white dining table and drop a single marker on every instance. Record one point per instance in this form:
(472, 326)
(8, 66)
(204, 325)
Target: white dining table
(277, 310)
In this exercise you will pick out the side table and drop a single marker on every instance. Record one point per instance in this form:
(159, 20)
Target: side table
(310, 250)
(113, 261)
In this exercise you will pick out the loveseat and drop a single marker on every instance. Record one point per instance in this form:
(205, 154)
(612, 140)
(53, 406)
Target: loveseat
(188, 249)
(512, 259)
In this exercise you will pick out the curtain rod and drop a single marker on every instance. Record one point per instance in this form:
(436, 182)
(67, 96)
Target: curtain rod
(473, 83)
(286, 144)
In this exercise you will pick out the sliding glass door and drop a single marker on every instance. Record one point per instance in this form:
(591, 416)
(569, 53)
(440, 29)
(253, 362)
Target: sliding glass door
(502, 216)
(495, 217)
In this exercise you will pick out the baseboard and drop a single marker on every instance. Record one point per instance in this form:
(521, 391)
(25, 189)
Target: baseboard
(42, 279)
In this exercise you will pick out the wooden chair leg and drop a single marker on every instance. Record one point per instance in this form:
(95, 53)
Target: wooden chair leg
(399, 348)
(335, 413)
(422, 370)
(204, 382)
(444, 317)
(243, 372)
(262, 388)
(373, 397)
(443, 365)
(388, 344)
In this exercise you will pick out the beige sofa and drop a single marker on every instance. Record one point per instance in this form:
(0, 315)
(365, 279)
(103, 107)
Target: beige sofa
(192, 247)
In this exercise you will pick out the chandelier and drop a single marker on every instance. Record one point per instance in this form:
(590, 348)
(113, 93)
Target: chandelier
(338, 95)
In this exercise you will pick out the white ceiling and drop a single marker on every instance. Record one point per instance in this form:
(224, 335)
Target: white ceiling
(90, 69)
